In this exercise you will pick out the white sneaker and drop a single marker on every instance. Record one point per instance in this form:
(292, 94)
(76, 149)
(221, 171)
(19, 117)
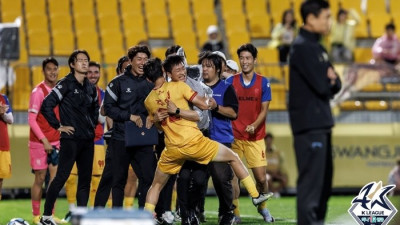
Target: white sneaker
(168, 217)
(262, 198)
(266, 215)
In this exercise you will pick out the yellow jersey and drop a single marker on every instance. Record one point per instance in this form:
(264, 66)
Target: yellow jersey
(178, 131)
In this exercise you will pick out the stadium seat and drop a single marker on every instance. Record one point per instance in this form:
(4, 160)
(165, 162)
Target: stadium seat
(200, 6)
(60, 22)
(112, 45)
(361, 30)
(351, 105)
(395, 105)
(158, 52)
(87, 39)
(84, 22)
(157, 24)
(186, 39)
(232, 6)
(276, 9)
(10, 10)
(35, 6)
(362, 55)
(23, 78)
(63, 71)
(278, 102)
(236, 39)
(274, 72)
(59, 7)
(377, 22)
(178, 7)
(353, 4)
(37, 75)
(108, 6)
(23, 54)
(334, 5)
(374, 87)
(267, 55)
(36, 21)
(131, 7)
(63, 43)
(376, 6)
(134, 36)
(39, 42)
(259, 25)
(374, 105)
(181, 22)
(256, 7)
(392, 87)
(109, 22)
(79, 6)
(191, 55)
(235, 22)
(394, 7)
(203, 20)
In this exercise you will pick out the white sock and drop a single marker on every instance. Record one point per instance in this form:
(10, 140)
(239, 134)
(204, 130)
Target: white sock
(71, 206)
(46, 217)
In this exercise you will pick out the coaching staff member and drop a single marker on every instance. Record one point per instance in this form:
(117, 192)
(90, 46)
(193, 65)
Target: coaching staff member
(313, 83)
(79, 111)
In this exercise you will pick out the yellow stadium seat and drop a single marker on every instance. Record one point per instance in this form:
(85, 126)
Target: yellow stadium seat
(84, 22)
(63, 71)
(108, 6)
(353, 4)
(374, 87)
(178, 7)
(232, 6)
(158, 52)
(334, 5)
(235, 22)
(37, 75)
(236, 39)
(131, 7)
(259, 25)
(61, 22)
(186, 39)
(112, 46)
(277, 7)
(110, 73)
(374, 105)
(111, 55)
(36, 21)
(395, 105)
(109, 21)
(274, 72)
(351, 105)
(362, 55)
(79, 6)
(394, 7)
(361, 30)
(39, 42)
(59, 6)
(376, 6)
(35, 6)
(286, 75)
(23, 54)
(200, 6)
(23, 77)
(94, 53)
(192, 55)
(20, 100)
(157, 24)
(63, 43)
(278, 93)
(392, 87)
(155, 6)
(267, 55)
(130, 24)
(181, 22)
(10, 9)
(133, 36)
(256, 6)
(87, 39)
(378, 22)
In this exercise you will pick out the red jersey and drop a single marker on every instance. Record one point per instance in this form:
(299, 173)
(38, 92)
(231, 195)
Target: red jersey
(4, 139)
(250, 99)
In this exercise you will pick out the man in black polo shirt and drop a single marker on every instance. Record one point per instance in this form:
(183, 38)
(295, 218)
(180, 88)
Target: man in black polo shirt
(313, 82)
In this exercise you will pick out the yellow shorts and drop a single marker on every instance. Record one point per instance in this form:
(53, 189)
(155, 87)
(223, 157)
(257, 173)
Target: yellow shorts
(253, 151)
(201, 150)
(5, 164)
(99, 159)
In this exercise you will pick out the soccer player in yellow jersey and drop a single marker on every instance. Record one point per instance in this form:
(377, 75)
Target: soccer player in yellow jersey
(183, 140)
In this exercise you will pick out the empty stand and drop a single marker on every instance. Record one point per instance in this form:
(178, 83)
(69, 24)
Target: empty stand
(278, 101)
(374, 87)
(10, 10)
(157, 25)
(277, 7)
(376, 105)
(362, 55)
(351, 105)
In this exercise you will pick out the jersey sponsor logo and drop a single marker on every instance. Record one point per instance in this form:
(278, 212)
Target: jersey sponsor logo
(59, 86)
(128, 90)
(248, 98)
(371, 206)
(76, 91)
(111, 84)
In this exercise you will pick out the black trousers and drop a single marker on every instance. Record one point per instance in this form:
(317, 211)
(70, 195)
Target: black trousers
(144, 163)
(222, 174)
(190, 187)
(104, 189)
(71, 151)
(315, 169)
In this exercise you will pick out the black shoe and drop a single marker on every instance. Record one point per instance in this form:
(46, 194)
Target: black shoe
(67, 217)
(193, 219)
(48, 221)
(227, 219)
(185, 221)
(202, 217)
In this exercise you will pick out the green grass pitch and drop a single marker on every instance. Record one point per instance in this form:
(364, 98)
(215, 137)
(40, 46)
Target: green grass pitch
(283, 209)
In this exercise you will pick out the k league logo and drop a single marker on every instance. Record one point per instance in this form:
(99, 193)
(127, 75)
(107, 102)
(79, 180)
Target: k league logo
(371, 206)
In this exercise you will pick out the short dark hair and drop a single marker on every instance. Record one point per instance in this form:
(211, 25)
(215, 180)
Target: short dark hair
(269, 135)
(153, 69)
(215, 59)
(390, 26)
(49, 60)
(72, 57)
(93, 63)
(248, 47)
(340, 12)
(172, 61)
(133, 51)
(171, 50)
(287, 11)
(312, 7)
(121, 61)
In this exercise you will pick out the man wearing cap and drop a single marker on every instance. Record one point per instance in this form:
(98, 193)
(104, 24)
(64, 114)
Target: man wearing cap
(214, 42)
(230, 69)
